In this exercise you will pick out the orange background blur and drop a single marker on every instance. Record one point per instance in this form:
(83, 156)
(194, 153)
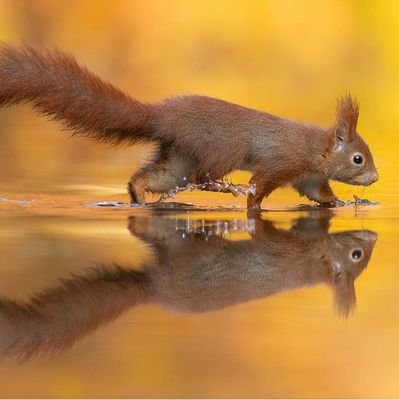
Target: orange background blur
(290, 58)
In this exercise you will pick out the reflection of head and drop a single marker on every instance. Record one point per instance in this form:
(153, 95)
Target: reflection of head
(352, 253)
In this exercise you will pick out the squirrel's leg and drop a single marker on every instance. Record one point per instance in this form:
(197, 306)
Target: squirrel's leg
(262, 227)
(160, 176)
(137, 186)
(154, 231)
(254, 201)
(317, 188)
(316, 224)
(264, 186)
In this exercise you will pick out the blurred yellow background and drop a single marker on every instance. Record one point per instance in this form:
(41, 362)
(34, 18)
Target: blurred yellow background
(290, 58)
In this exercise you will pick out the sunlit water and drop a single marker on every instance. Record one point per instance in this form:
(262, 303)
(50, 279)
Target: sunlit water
(185, 301)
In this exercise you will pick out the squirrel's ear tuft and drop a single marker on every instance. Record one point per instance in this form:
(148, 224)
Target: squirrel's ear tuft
(347, 115)
(344, 295)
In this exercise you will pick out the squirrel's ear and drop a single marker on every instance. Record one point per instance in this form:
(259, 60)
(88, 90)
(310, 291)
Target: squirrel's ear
(344, 291)
(346, 121)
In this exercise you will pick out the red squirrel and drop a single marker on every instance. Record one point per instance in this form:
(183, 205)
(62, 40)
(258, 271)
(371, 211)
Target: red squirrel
(199, 138)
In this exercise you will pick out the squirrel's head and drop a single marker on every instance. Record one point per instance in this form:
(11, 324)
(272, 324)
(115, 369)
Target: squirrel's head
(351, 161)
(351, 254)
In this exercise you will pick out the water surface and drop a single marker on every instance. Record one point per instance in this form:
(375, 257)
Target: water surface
(186, 301)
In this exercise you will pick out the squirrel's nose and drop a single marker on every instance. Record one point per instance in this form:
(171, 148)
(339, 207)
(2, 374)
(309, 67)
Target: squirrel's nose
(369, 178)
(374, 177)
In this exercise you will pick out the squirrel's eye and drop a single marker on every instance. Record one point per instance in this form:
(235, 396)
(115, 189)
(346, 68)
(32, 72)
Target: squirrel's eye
(356, 255)
(358, 159)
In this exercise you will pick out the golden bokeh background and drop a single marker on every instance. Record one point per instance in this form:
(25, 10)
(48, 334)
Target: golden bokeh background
(290, 58)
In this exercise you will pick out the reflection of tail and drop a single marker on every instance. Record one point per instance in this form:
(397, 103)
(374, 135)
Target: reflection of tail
(197, 271)
(58, 87)
(55, 319)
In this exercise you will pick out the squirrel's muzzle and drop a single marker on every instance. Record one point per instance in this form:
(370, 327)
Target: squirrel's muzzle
(366, 179)
(372, 178)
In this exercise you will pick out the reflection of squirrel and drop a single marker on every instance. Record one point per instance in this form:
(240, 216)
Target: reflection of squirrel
(199, 270)
(195, 271)
(199, 137)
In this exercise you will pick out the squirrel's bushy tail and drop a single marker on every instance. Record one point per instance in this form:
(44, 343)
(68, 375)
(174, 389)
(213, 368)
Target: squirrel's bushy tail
(59, 88)
(56, 318)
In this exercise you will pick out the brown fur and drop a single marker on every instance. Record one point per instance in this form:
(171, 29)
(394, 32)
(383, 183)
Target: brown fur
(348, 112)
(195, 270)
(199, 137)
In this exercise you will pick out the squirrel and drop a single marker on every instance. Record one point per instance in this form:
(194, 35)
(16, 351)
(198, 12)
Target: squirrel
(196, 270)
(200, 138)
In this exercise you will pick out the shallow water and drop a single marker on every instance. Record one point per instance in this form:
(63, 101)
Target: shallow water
(176, 301)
